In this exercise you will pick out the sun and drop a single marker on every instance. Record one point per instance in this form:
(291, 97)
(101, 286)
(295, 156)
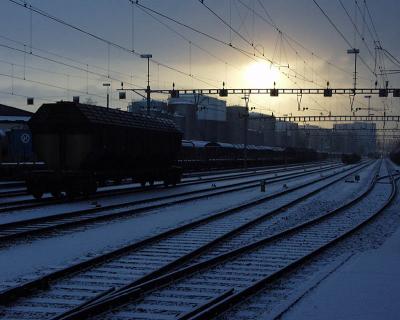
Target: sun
(261, 75)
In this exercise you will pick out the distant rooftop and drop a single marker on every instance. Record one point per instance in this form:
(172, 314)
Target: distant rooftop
(7, 111)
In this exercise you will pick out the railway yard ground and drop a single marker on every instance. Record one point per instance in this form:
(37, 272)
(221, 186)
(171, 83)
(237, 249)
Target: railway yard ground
(320, 242)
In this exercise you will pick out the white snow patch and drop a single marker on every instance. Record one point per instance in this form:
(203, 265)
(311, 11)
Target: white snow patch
(365, 288)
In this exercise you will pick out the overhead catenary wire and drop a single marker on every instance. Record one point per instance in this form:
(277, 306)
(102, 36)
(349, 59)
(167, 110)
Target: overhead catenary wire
(248, 54)
(195, 30)
(61, 63)
(282, 36)
(229, 26)
(45, 70)
(48, 99)
(342, 35)
(187, 74)
(194, 44)
(391, 57)
(373, 37)
(63, 57)
(290, 38)
(39, 11)
(273, 62)
(370, 17)
(270, 60)
(356, 29)
(242, 24)
(262, 55)
(50, 85)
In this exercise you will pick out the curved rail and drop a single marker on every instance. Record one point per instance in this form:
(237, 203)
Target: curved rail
(35, 203)
(214, 223)
(229, 278)
(33, 226)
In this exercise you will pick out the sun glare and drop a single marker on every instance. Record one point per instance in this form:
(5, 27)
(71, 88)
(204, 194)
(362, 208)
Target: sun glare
(261, 75)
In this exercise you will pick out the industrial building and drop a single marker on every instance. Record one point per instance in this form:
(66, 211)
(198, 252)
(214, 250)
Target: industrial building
(359, 137)
(210, 119)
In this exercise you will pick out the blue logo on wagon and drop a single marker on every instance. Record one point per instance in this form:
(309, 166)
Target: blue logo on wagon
(25, 138)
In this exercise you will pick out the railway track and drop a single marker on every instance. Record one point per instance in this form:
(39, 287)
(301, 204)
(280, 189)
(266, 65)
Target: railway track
(70, 288)
(5, 184)
(28, 227)
(210, 287)
(12, 193)
(250, 169)
(106, 192)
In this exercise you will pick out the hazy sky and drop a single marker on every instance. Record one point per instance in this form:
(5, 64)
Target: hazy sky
(208, 61)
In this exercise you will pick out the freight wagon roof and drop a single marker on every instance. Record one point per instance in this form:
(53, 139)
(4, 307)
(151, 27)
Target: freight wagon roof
(70, 113)
(7, 111)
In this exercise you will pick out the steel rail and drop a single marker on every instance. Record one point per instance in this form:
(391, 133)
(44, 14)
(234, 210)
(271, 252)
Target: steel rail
(13, 230)
(33, 203)
(224, 305)
(135, 293)
(30, 286)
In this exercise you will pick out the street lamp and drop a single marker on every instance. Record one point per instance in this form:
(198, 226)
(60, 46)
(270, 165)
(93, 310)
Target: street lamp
(355, 52)
(148, 57)
(369, 104)
(108, 93)
(246, 125)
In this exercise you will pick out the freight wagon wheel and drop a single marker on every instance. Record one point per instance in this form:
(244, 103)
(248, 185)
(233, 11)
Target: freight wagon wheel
(86, 193)
(90, 189)
(93, 188)
(37, 194)
(71, 194)
(56, 194)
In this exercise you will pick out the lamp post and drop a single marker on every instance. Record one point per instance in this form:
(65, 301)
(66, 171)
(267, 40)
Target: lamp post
(246, 125)
(355, 52)
(369, 104)
(108, 93)
(148, 57)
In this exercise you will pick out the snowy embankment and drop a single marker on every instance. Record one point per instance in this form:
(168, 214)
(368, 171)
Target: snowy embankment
(367, 287)
(364, 287)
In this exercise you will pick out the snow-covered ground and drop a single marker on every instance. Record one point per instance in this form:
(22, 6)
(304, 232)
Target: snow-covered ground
(36, 256)
(7, 217)
(363, 283)
(187, 178)
(366, 287)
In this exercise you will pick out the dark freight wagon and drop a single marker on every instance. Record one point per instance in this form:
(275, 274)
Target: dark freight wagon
(84, 145)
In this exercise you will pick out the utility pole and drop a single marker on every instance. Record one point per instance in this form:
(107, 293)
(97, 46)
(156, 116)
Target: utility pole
(355, 52)
(148, 57)
(369, 104)
(108, 93)
(246, 124)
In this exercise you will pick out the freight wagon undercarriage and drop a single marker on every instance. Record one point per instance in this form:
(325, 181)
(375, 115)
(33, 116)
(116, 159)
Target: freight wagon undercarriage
(75, 183)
